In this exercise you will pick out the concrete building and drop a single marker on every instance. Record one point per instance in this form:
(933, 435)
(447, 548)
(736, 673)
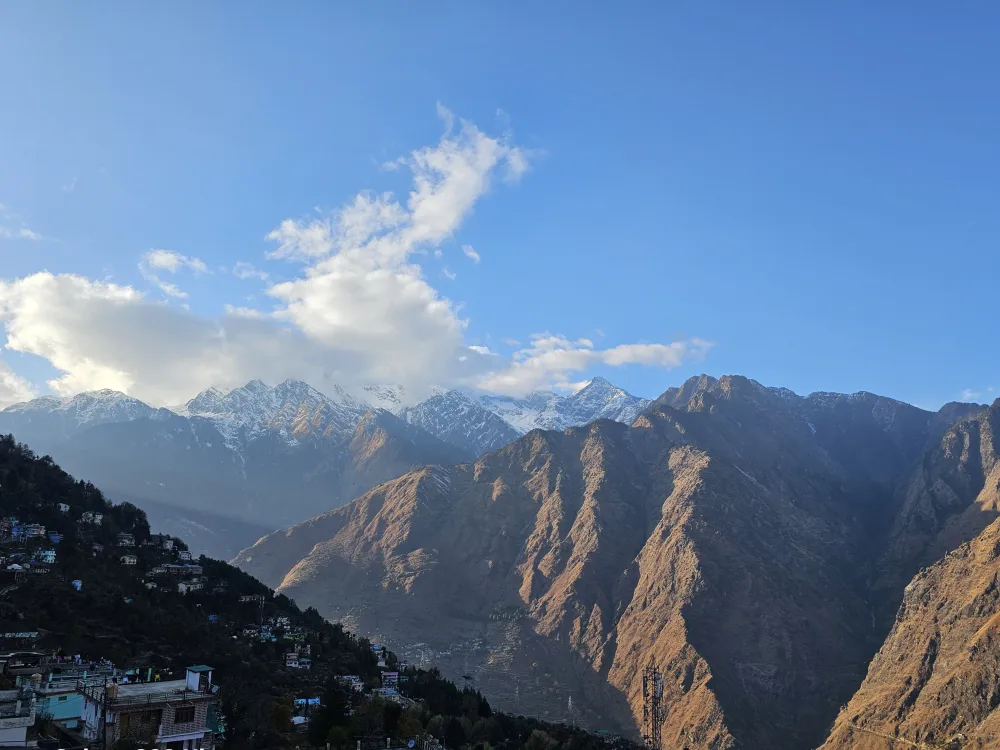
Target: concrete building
(129, 559)
(17, 713)
(57, 694)
(169, 715)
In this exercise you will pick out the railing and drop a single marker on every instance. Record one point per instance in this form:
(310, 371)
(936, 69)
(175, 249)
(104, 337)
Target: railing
(97, 693)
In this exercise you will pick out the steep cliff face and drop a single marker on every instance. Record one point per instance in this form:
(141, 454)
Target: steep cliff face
(729, 535)
(937, 677)
(950, 496)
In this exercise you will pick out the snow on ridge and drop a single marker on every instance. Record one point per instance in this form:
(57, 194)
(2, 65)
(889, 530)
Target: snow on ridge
(294, 412)
(599, 399)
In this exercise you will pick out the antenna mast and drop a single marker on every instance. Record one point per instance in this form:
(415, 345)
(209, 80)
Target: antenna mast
(654, 713)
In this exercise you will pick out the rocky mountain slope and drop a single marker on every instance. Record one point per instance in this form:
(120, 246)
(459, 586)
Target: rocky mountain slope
(732, 534)
(935, 678)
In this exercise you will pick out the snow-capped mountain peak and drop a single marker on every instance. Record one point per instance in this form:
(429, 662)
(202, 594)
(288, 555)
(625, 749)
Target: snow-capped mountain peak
(388, 397)
(599, 399)
(292, 410)
(461, 421)
(93, 407)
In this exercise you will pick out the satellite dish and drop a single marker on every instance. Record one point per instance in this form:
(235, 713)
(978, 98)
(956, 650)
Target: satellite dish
(411, 743)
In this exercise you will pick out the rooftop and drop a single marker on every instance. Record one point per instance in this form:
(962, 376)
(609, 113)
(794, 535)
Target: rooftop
(147, 692)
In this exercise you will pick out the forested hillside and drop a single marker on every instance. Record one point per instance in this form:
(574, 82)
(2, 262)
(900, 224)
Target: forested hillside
(100, 599)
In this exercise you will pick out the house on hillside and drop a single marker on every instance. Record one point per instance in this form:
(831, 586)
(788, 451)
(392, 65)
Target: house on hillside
(91, 517)
(126, 540)
(34, 530)
(55, 537)
(63, 508)
(56, 691)
(352, 681)
(168, 543)
(186, 587)
(46, 556)
(167, 714)
(98, 548)
(184, 555)
(17, 713)
(129, 559)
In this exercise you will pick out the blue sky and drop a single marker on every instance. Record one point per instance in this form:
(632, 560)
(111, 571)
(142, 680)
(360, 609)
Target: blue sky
(810, 190)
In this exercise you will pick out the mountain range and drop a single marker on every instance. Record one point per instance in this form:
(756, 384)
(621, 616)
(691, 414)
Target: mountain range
(231, 465)
(804, 571)
(753, 544)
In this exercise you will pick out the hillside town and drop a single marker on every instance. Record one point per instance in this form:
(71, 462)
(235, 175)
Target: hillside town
(86, 702)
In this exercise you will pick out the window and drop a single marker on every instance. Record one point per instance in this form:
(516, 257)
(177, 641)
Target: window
(184, 715)
(63, 698)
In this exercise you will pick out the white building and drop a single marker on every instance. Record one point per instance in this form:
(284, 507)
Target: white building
(186, 587)
(63, 508)
(129, 559)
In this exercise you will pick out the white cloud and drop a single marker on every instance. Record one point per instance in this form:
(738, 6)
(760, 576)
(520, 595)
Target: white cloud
(171, 262)
(451, 276)
(970, 395)
(20, 233)
(359, 310)
(551, 360)
(168, 260)
(243, 270)
(13, 389)
(511, 342)
(470, 252)
(9, 231)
